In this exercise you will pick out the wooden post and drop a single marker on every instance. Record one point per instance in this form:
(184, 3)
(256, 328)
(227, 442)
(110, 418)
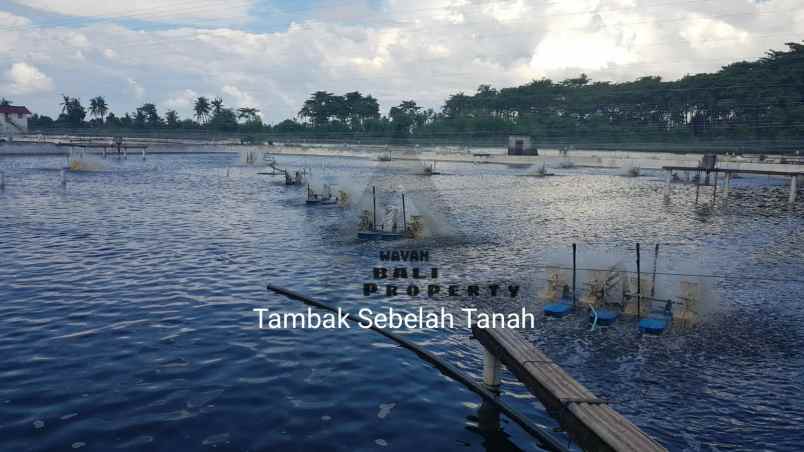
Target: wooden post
(714, 192)
(374, 208)
(793, 189)
(491, 371)
(63, 179)
(2, 181)
(588, 420)
(488, 418)
(639, 285)
(574, 271)
(655, 262)
(404, 220)
(667, 186)
(697, 186)
(726, 187)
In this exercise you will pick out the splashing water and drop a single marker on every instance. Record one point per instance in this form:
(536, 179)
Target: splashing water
(629, 171)
(83, 161)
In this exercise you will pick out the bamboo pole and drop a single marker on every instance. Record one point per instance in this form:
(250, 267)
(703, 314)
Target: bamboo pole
(639, 285)
(574, 271)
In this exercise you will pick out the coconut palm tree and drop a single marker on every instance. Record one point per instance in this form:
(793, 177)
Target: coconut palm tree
(202, 109)
(217, 105)
(247, 113)
(98, 107)
(66, 103)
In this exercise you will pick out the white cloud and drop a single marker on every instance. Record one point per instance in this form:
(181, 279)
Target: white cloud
(8, 20)
(25, 79)
(148, 10)
(110, 54)
(241, 99)
(409, 49)
(182, 101)
(708, 33)
(135, 89)
(506, 11)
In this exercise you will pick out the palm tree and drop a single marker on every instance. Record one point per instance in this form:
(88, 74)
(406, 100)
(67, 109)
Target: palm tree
(247, 113)
(98, 107)
(65, 104)
(202, 109)
(217, 105)
(5, 102)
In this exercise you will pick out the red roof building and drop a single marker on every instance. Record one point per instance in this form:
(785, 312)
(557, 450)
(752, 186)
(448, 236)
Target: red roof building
(14, 110)
(14, 119)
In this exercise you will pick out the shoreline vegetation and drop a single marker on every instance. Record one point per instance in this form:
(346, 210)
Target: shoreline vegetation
(745, 107)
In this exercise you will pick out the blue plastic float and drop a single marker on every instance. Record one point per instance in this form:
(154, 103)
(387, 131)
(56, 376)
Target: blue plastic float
(605, 317)
(657, 322)
(561, 309)
(653, 325)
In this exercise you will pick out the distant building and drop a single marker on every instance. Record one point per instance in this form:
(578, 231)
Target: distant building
(13, 119)
(521, 145)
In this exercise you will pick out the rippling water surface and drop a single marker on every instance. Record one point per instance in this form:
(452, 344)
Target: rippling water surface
(126, 308)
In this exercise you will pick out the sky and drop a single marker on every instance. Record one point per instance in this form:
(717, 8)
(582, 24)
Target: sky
(271, 54)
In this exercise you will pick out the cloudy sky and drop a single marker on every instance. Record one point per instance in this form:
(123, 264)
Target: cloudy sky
(271, 54)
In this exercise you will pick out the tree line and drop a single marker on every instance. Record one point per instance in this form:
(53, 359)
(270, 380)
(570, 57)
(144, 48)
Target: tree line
(757, 100)
(209, 114)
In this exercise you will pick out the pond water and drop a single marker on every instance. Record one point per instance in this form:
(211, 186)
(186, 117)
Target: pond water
(126, 315)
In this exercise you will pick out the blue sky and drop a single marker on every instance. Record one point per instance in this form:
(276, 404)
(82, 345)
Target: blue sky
(273, 54)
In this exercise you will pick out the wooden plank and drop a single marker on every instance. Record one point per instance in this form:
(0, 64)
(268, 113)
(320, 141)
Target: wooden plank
(589, 421)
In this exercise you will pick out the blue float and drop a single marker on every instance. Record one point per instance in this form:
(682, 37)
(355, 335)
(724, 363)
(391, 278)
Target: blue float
(653, 325)
(561, 309)
(605, 317)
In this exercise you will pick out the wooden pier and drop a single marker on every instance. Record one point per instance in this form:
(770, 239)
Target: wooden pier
(728, 173)
(588, 420)
(104, 146)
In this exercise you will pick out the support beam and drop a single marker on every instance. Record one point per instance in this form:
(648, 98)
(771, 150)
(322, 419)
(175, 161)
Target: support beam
(588, 420)
(491, 371)
(793, 189)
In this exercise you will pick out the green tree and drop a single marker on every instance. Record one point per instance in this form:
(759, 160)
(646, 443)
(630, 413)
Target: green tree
(72, 112)
(404, 117)
(248, 114)
(319, 108)
(217, 105)
(98, 107)
(202, 109)
(224, 120)
(148, 115)
(172, 119)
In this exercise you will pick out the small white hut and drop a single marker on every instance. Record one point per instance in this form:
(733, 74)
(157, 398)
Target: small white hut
(521, 145)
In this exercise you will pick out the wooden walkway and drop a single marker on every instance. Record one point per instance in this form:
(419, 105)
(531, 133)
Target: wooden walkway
(588, 420)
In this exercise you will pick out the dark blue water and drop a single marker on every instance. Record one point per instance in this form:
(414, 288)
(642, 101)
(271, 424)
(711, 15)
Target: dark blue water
(126, 309)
